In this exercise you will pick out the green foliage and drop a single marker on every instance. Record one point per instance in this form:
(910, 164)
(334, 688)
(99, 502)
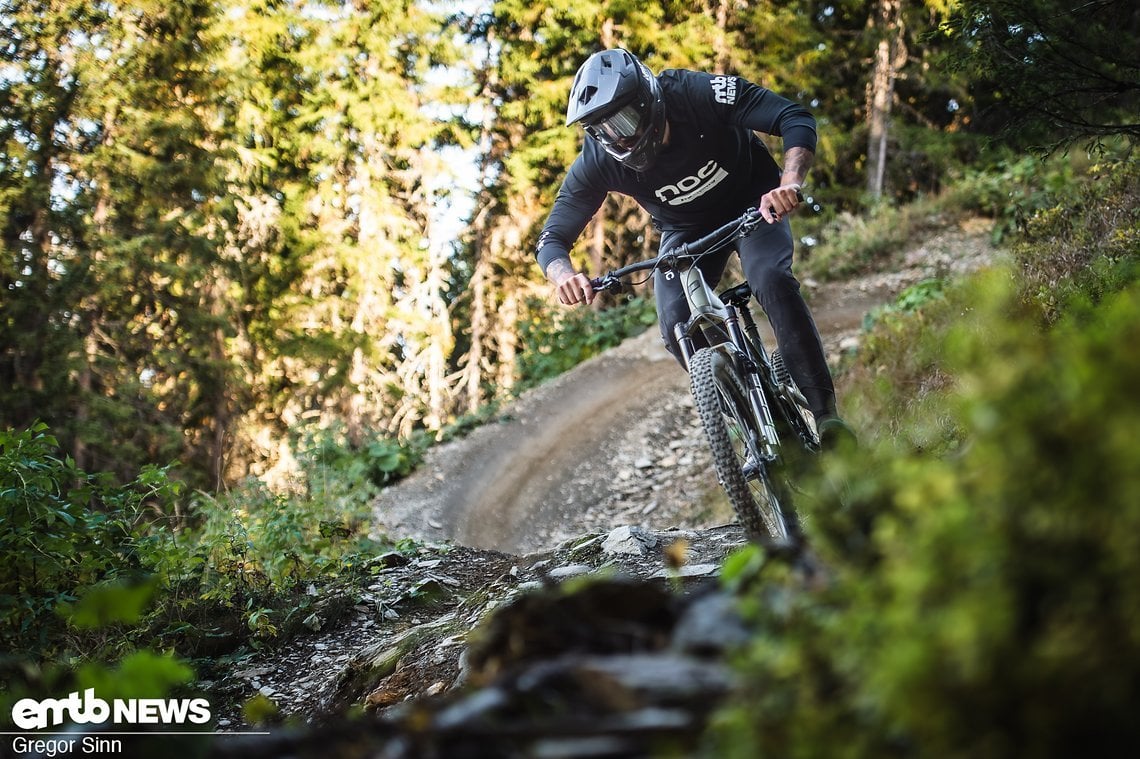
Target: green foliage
(982, 603)
(1083, 248)
(69, 542)
(196, 241)
(110, 241)
(257, 543)
(330, 459)
(105, 605)
(849, 244)
(468, 422)
(1050, 73)
(554, 341)
(78, 581)
(1085, 241)
(259, 710)
(249, 568)
(981, 598)
(1014, 191)
(911, 299)
(89, 578)
(142, 674)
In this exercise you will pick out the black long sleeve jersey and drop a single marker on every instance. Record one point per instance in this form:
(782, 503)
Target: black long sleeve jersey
(712, 169)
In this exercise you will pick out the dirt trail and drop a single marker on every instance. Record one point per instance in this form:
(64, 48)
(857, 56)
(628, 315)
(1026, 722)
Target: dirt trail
(567, 448)
(615, 441)
(495, 487)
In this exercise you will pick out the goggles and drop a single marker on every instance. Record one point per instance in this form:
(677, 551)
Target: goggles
(621, 130)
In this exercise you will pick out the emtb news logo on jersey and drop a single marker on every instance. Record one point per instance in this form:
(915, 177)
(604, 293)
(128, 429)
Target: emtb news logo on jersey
(724, 89)
(692, 186)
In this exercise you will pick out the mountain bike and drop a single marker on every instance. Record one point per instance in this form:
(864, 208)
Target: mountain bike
(755, 418)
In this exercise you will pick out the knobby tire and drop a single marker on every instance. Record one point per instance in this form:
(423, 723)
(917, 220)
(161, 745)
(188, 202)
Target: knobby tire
(761, 504)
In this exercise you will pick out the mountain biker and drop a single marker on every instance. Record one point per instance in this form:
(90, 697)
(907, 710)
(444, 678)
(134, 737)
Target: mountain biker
(682, 145)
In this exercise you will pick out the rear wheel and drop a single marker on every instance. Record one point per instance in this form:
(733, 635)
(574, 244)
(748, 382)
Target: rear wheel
(761, 503)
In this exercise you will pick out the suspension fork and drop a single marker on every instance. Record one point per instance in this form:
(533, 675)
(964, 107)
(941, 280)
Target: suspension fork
(767, 438)
(684, 342)
(757, 396)
(727, 321)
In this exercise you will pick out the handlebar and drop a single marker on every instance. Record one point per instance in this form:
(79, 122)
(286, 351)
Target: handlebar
(689, 251)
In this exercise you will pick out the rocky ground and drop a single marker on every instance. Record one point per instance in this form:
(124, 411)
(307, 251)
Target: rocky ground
(599, 474)
(639, 641)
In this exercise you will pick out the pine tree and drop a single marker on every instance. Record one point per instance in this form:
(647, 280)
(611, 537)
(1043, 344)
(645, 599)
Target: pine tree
(116, 228)
(40, 226)
(344, 320)
(1052, 73)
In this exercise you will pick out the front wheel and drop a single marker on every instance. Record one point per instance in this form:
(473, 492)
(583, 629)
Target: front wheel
(762, 506)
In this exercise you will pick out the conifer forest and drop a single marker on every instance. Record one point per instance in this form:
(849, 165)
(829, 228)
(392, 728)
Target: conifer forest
(257, 257)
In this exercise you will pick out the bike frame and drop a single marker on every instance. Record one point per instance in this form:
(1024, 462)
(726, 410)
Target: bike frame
(720, 322)
(710, 315)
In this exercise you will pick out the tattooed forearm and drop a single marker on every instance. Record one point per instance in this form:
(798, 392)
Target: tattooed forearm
(797, 162)
(558, 269)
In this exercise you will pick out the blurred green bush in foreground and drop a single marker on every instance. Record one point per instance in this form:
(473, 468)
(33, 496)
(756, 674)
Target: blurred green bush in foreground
(982, 597)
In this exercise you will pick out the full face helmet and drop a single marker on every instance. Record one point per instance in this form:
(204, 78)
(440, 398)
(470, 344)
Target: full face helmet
(618, 101)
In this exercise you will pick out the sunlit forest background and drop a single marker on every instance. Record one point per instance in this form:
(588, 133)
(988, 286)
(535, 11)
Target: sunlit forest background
(257, 255)
(229, 226)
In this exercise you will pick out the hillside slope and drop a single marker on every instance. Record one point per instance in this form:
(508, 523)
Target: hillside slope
(615, 441)
(602, 471)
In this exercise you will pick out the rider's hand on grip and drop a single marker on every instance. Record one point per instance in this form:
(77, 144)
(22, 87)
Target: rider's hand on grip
(779, 202)
(575, 289)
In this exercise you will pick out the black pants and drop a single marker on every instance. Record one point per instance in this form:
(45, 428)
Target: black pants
(766, 257)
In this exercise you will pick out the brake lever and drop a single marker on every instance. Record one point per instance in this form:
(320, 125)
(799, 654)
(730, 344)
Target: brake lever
(607, 283)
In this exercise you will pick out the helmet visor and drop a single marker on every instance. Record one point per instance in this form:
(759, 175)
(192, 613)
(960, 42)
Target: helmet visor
(620, 132)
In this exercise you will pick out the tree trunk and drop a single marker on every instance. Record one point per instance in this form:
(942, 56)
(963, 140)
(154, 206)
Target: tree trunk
(607, 34)
(481, 242)
(441, 341)
(597, 247)
(507, 341)
(221, 400)
(79, 450)
(890, 52)
(721, 46)
(473, 373)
